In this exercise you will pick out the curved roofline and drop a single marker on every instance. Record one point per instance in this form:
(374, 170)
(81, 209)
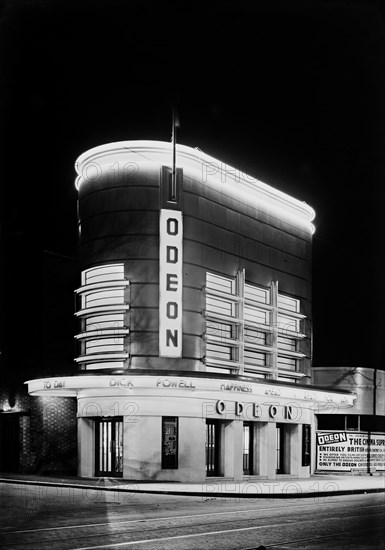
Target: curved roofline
(210, 169)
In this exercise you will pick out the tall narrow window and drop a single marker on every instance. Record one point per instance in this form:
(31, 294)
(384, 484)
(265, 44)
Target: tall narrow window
(247, 448)
(222, 324)
(306, 444)
(169, 443)
(102, 311)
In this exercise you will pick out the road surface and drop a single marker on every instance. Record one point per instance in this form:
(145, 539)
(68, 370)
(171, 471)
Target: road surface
(49, 518)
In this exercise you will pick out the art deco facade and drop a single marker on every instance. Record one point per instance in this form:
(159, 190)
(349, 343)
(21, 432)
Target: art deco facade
(194, 309)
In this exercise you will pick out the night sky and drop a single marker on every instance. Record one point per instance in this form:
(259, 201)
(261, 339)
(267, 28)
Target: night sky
(290, 92)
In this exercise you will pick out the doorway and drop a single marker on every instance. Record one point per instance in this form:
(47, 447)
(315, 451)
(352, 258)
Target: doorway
(212, 448)
(280, 449)
(109, 447)
(247, 448)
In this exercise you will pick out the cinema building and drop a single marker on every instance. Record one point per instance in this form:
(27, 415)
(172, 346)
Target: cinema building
(194, 309)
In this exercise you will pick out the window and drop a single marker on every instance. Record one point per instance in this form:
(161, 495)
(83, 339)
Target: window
(221, 331)
(103, 297)
(331, 421)
(104, 345)
(254, 336)
(286, 363)
(102, 311)
(220, 284)
(287, 325)
(254, 293)
(250, 329)
(288, 344)
(101, 322)
(219, 351)
(222, 323)
(256, 316)
(286, 302)
(219, 307)
(351, 422)
(306, 444)
(170, 443)
(254, 358)
(111, 272)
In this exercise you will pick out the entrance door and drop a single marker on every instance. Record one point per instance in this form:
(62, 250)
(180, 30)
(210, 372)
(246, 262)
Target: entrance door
(109, 447)
(212, 448)
(247, 448)
(279, 449)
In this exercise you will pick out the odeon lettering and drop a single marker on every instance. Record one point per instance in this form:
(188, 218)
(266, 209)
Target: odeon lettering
(283, 412)
(247, 409)
(170, 283)
(323, 439)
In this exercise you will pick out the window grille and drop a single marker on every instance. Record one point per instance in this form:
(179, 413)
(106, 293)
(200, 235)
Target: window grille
(287, 344)
(103, 307)
(251, 330)
(288, 363)
(291, 304)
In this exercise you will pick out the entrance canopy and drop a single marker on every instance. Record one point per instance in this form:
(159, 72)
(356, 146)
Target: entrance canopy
(194, 387)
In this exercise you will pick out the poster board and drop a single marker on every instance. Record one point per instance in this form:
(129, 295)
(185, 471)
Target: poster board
(342, 451)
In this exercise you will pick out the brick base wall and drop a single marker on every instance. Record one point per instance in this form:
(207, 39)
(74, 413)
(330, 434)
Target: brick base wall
(47, 433)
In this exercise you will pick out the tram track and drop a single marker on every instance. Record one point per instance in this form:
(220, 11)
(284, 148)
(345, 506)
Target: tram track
(268, 522)
(5, 531)
(167, 518)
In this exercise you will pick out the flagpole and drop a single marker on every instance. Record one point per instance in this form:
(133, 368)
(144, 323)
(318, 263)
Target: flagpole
(173, 177)
(173, 181)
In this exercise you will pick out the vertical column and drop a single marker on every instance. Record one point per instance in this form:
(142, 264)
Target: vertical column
(238, 450)
(86, 447)
(293, 449)
(142, 447)
(226, 458)
(192, 456)
(266, 449)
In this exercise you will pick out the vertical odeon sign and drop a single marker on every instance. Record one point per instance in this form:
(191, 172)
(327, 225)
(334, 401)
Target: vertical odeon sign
(170, 283)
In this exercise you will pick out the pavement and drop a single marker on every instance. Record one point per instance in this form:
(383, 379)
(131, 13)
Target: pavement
(286, 487)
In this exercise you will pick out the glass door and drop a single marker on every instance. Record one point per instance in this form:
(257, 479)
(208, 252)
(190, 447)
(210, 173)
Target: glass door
(279, 449)
(247, 448)
(212, 447)
(109, 447)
